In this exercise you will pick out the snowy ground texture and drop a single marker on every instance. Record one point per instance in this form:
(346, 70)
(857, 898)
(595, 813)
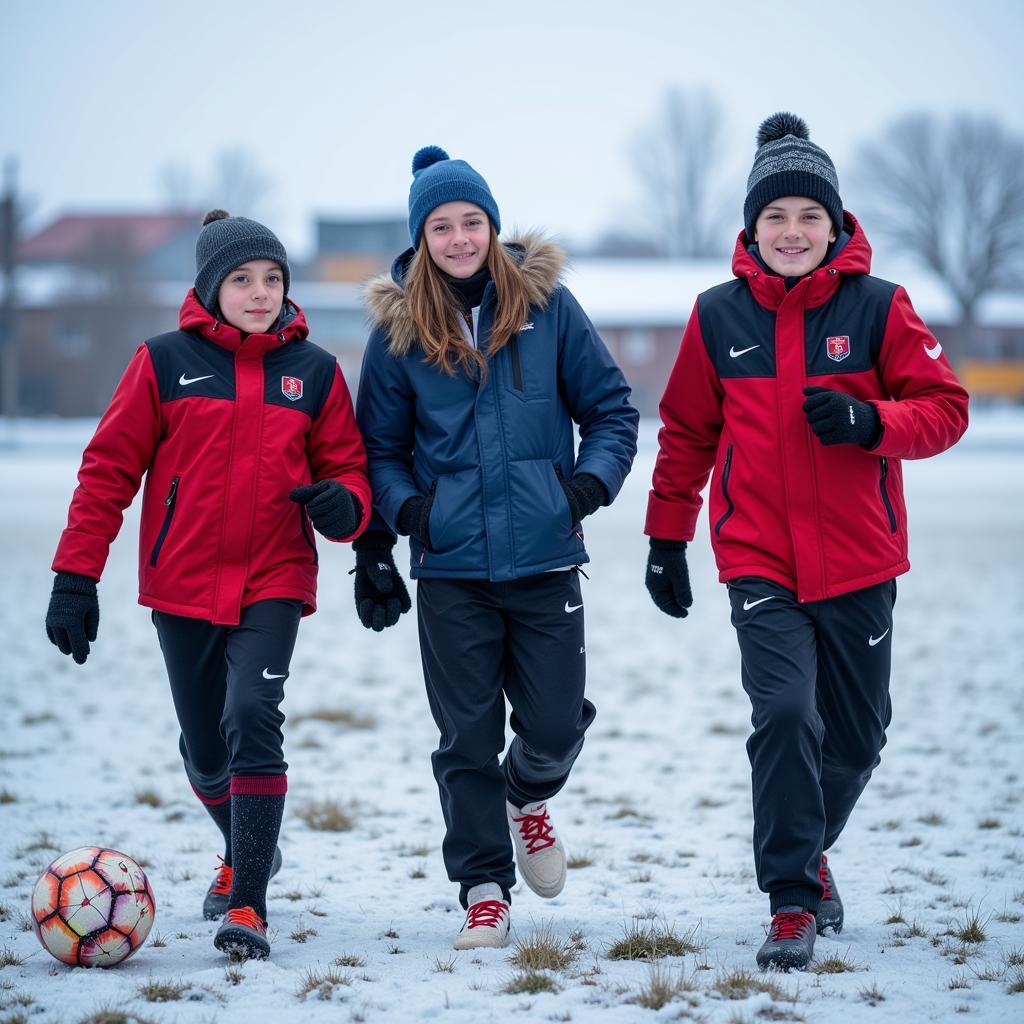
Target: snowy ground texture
(657, 813)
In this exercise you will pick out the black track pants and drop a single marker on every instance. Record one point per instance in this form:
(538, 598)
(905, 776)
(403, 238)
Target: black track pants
(227, 683)
(817, 675)
(481, 642)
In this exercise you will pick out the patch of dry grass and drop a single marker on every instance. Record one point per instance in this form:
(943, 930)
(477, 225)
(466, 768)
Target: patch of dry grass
(579, 860)
(336, 716)
(326, 816)
(544, 951)
(971, 929)
(663, 986)
(833, 964)
(322, 982)
(349, 960)
(529, 982)
(740, 984)
(651, 941)
(154, 990)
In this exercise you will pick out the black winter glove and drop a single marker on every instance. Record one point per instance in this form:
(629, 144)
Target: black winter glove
(585, 494)
(668, 581)
(414, 519)
(839, 418)
(333, 508)
(381, 596)
(74, 615)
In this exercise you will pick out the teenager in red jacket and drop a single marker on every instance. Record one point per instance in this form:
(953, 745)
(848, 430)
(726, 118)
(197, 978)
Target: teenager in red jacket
(801, 384)
(245, 433)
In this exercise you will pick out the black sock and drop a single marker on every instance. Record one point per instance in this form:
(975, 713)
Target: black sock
(221, 814)
(255, 827)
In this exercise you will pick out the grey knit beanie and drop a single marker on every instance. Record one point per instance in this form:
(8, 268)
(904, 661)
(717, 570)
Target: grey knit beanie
(227, 242)
(787, 163)
(438, 179)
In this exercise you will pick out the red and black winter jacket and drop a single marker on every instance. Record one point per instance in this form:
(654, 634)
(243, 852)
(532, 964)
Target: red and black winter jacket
(819, 520)
(222, 428)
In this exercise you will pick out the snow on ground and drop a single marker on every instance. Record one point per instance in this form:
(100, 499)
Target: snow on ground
(657, 812)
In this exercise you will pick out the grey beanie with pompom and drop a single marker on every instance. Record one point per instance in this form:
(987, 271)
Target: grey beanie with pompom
(227, 242)
(787, 163)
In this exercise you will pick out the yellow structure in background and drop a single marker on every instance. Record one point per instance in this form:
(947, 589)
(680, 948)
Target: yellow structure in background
(1003, 379)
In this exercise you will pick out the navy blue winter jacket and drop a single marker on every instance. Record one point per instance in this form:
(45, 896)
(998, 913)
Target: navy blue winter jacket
(489, 454)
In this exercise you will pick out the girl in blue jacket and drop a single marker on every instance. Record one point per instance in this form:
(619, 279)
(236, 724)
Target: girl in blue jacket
(478, 366)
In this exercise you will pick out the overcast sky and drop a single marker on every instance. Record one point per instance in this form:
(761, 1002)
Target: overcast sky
(544, 99)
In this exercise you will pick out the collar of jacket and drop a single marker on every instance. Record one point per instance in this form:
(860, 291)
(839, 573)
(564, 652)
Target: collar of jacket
(819, 285)
(194, 316)
(540, 261)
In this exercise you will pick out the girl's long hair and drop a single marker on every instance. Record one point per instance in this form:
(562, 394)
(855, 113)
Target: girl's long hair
(437, 313)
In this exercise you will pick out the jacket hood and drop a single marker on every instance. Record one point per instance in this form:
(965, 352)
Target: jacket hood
(540, 261)
(854, 257)
(194, 316)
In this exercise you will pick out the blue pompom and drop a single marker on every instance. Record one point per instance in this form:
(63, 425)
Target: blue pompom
(426, 156)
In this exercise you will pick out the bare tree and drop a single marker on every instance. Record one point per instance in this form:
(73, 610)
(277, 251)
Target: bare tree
(239, 185)
(236, 183)
(950, 192)
(677, 156)
(178, 186)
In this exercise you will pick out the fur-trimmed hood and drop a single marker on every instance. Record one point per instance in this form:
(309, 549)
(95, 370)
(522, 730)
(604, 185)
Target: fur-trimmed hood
(540, 261)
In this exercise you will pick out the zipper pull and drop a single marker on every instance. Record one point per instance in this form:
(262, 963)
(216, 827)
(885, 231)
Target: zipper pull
(169, 500)
(422, 554)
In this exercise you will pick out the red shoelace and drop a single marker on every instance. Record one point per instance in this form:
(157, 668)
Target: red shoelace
(536, 829)
(790, 925)
(486, 914)
(248, 917)
(222, 883)
(823, 875)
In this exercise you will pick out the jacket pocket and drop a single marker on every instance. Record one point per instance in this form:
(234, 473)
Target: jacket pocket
(455, 522)
(729, 507)
(170, 501)
(561, 486)
(883, 476)
(428, 510)
(307, 534)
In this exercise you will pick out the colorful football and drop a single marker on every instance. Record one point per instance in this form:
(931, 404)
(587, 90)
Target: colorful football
(92, 907)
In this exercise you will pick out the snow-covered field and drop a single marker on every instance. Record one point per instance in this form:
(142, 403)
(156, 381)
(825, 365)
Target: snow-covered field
(657, 812)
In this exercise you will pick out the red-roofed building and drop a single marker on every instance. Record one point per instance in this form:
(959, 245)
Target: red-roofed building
(162, 244)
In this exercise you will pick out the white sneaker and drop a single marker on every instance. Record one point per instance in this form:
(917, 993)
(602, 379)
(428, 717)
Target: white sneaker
(539, 852)
(487, 919)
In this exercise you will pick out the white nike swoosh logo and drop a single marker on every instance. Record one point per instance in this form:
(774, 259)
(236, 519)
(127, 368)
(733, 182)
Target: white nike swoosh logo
(748, 604)
(872, 640)
(934, 352)
(183, 380)
(734, 353)
(268, 675)
(572, 607)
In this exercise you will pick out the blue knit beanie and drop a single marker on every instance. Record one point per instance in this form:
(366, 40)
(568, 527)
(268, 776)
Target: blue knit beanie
(438, 179)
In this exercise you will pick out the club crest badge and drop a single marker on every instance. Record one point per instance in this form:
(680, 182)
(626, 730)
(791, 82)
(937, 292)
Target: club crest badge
(291, 388)
(838, 347)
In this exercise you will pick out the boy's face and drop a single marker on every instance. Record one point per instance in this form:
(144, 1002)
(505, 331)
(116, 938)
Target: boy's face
(251, 296)
(793, 234)
(458, 237)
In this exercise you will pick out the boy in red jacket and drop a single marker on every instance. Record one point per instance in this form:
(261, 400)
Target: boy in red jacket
(802, 383)
(245, 433)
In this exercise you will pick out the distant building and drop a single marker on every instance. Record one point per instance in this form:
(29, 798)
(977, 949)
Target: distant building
(353, 249)
(92, 287)
(162, 245)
